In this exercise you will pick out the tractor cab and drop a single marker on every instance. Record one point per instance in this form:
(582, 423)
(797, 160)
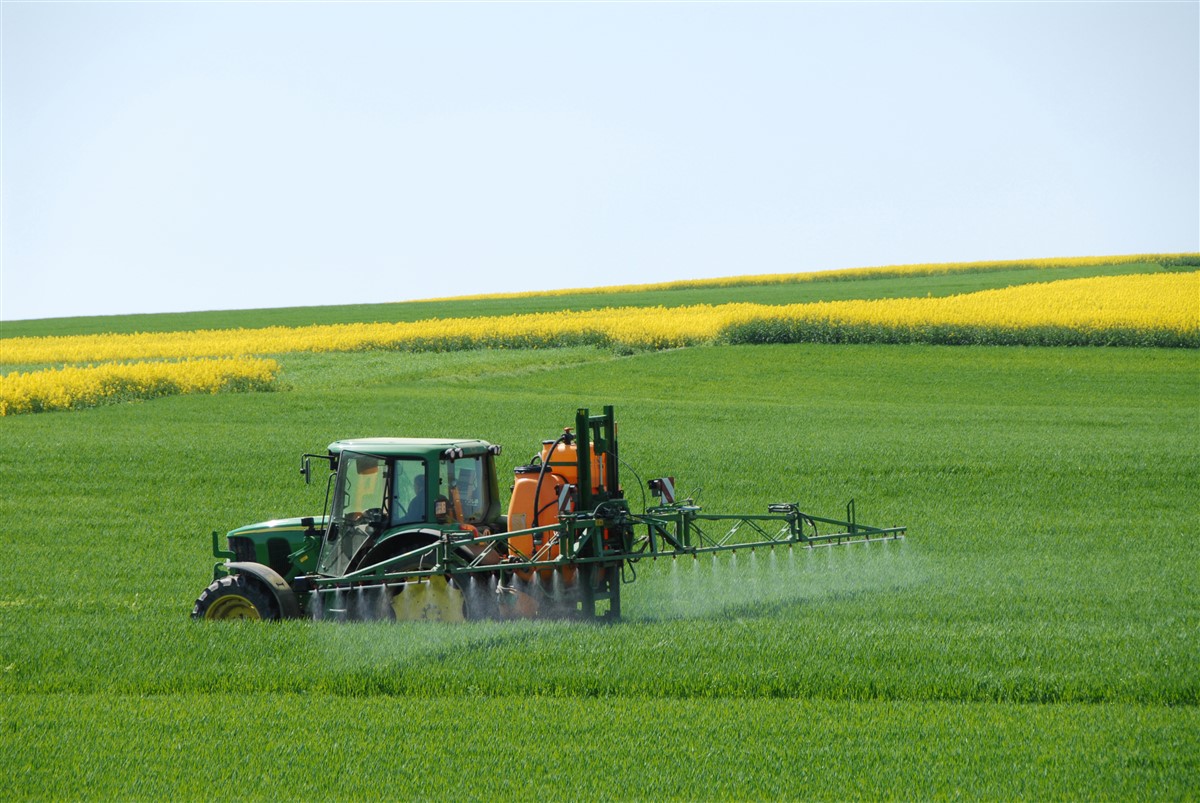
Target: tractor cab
(393, 495)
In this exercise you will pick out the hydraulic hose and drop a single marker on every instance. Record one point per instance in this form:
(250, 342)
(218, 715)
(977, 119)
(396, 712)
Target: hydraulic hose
(537, 490)
(641, 485)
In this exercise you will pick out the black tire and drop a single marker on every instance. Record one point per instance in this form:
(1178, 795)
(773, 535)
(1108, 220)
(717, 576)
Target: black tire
(235, 597)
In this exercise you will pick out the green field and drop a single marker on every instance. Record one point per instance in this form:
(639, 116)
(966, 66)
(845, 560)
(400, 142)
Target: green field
(1037, 635)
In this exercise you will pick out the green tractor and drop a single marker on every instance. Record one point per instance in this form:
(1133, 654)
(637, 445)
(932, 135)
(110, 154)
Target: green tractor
(414, 530)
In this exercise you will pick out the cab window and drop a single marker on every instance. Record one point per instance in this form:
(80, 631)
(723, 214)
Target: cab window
(463, 482)
(360, 506)
(409, 493)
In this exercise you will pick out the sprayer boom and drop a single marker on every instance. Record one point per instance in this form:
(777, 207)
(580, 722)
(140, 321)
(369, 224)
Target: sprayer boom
(684, 529)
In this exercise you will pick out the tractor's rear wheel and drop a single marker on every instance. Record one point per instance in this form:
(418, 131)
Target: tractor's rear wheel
(235, 597)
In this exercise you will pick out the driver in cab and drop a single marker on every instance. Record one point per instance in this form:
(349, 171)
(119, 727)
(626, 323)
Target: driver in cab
(415, 511)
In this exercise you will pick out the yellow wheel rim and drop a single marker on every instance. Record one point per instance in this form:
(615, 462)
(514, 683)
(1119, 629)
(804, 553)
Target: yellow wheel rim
(232, 606)
(432, 600)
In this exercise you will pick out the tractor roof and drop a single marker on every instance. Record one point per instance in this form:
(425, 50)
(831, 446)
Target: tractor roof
(409, 447)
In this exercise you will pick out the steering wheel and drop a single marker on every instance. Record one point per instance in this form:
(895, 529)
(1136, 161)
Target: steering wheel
(371, 517)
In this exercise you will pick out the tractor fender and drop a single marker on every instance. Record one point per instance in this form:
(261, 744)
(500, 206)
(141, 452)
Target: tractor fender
(371, 552)
(285, 597)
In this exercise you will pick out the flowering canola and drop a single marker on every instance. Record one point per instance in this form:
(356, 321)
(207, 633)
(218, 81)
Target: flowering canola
(75, 387)
(1161, 309)
(1144, 309)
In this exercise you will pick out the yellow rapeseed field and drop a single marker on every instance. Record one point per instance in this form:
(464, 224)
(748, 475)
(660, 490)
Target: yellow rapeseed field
(1160, 308)
(1150, 309)
(74, 387)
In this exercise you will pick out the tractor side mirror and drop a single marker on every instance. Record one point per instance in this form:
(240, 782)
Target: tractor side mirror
(306, 465)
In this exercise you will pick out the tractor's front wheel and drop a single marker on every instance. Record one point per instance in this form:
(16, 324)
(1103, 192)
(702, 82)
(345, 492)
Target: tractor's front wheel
(235, 597)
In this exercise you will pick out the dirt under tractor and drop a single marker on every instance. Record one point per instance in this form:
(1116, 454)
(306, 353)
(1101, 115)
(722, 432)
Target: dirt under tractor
(413, 529)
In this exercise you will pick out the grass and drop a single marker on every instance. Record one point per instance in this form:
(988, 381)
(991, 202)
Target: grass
(667, 749)
(1036, 636)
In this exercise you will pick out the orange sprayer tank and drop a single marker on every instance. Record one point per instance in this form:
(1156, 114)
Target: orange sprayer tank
(526, 499)
(564, 460)
(533, 507)
(537, 506)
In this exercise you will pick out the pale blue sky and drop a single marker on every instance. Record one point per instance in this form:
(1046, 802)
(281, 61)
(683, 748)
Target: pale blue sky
(190, 156)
